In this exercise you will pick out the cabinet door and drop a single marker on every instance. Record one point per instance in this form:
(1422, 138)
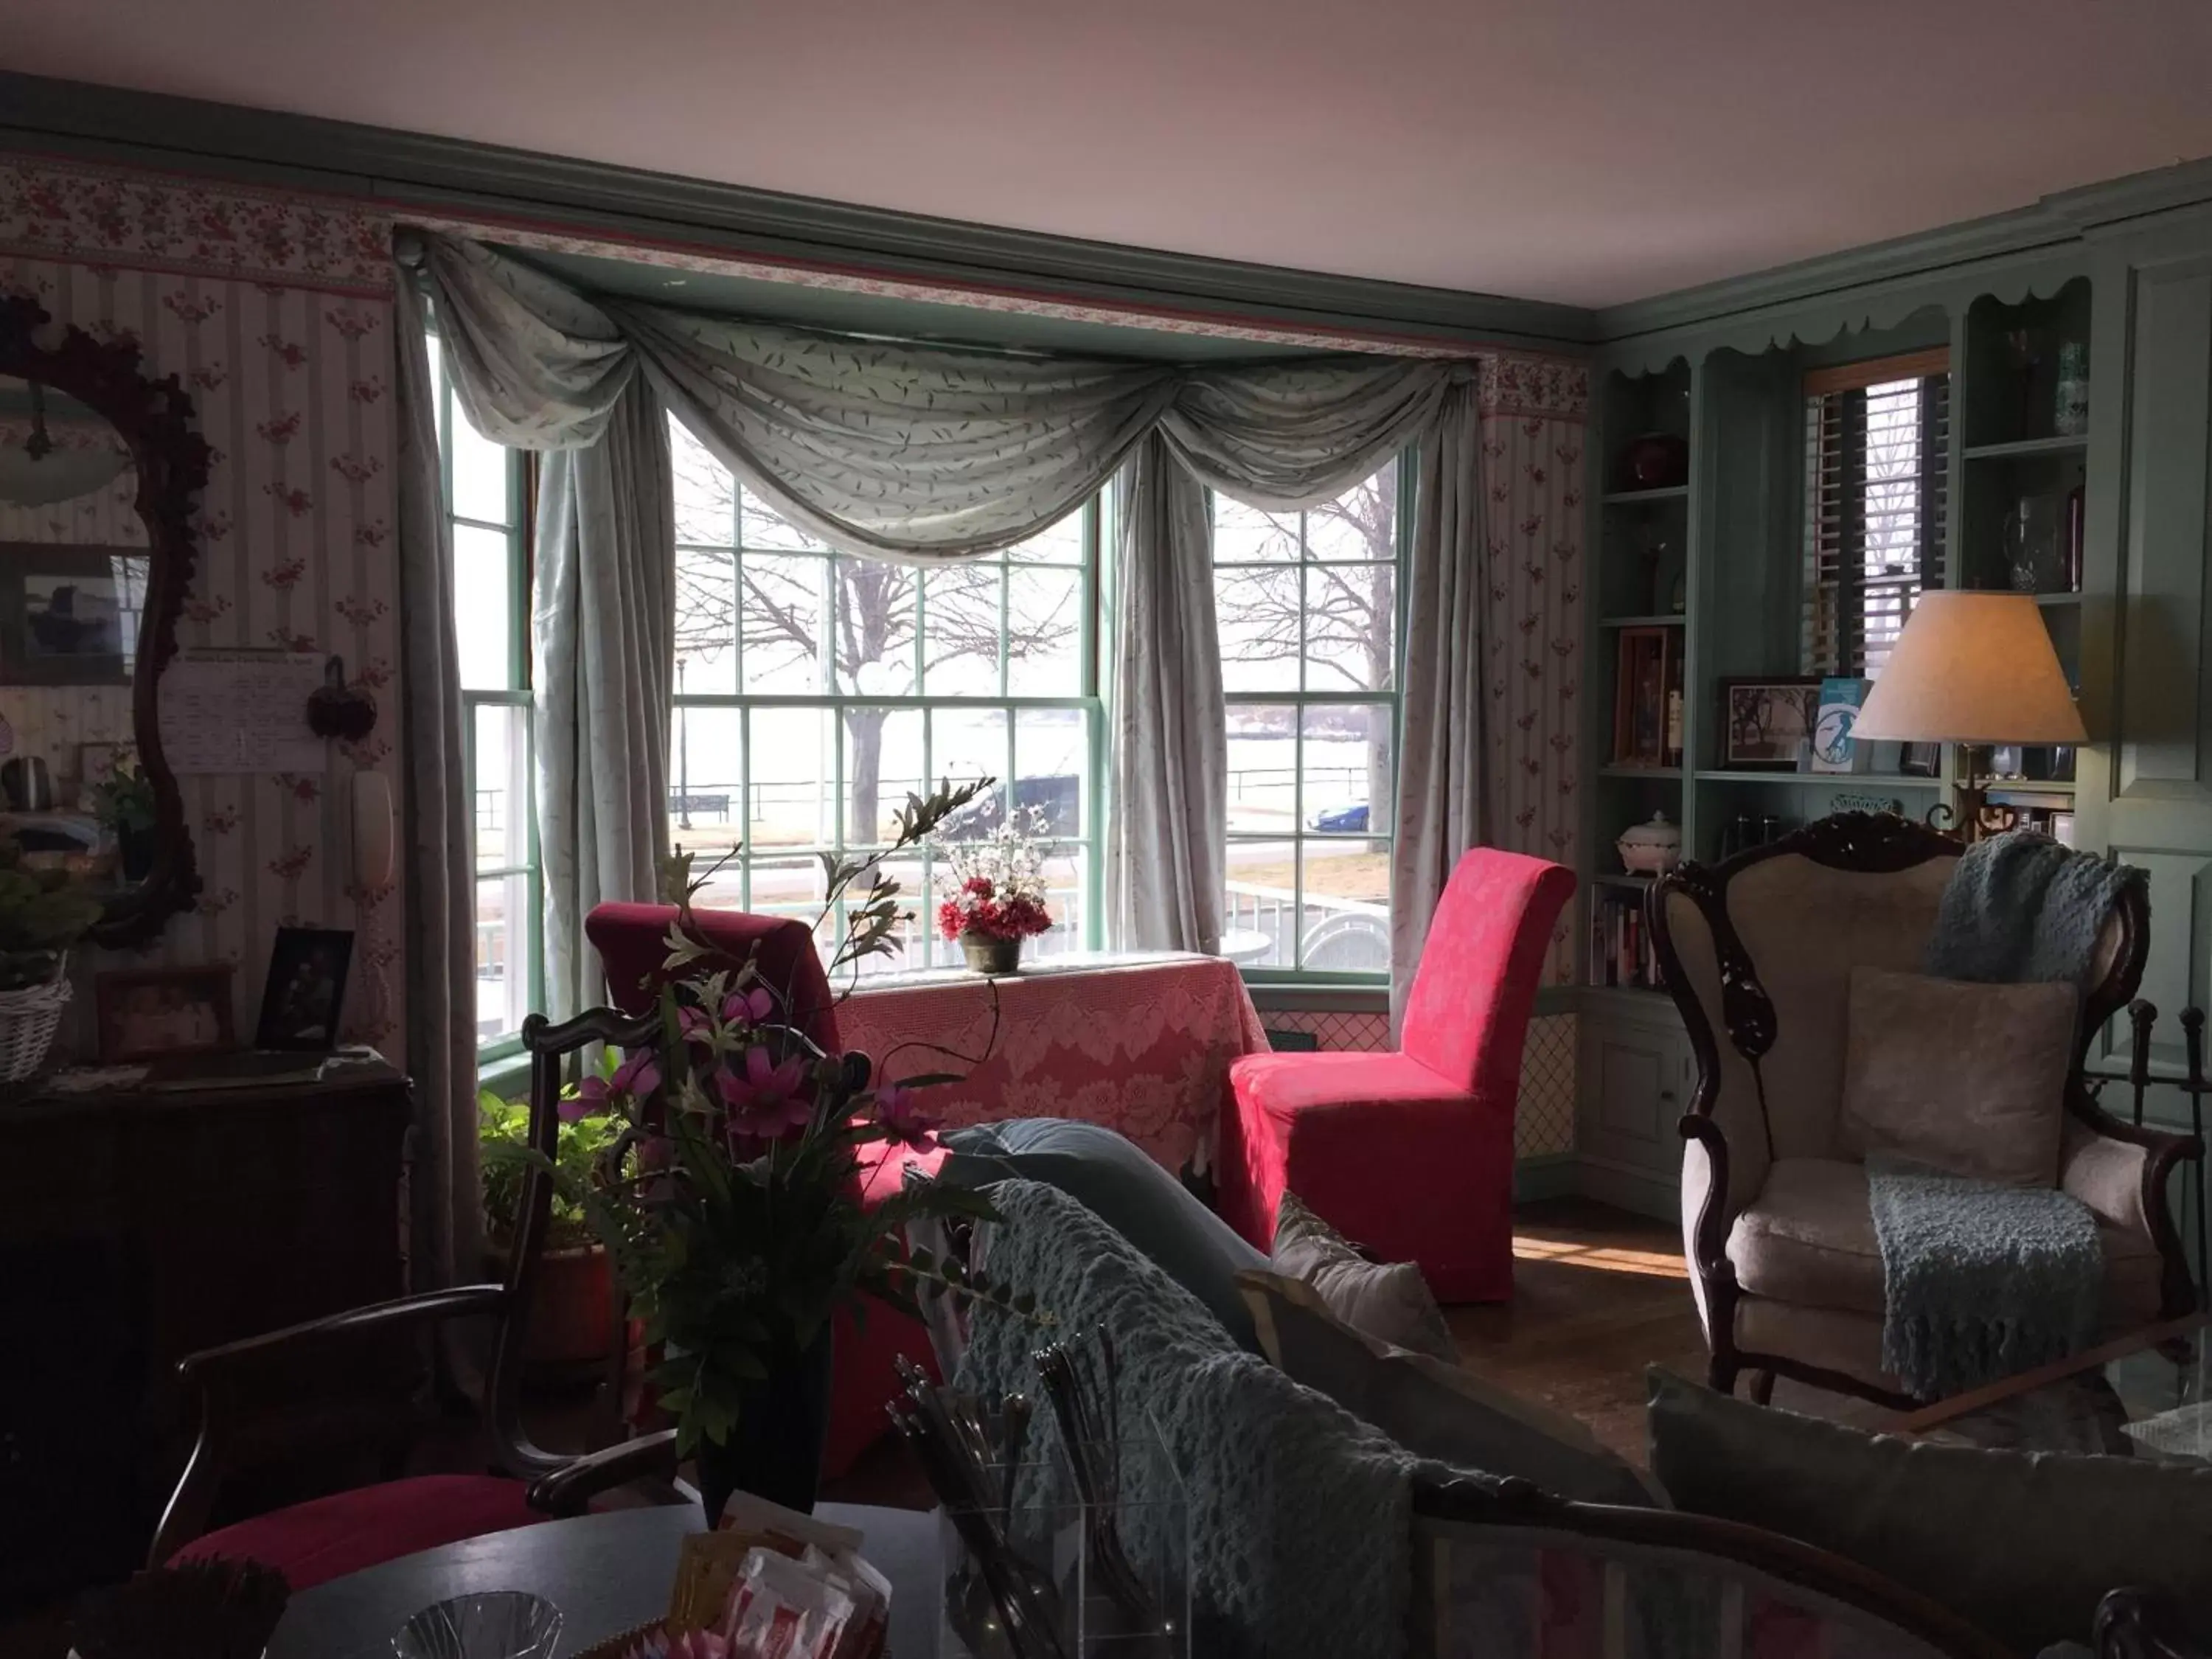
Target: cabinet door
(1636, 1090)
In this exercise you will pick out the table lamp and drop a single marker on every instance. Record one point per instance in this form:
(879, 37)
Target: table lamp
(1971, 669)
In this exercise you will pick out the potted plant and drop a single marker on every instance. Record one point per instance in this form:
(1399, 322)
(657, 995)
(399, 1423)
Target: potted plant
(571, 1314)
(995, 893)
(729, 1195)
(42, 913)
(124, 802)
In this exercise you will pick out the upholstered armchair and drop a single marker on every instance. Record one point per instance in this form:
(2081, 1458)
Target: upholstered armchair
(1758, 952)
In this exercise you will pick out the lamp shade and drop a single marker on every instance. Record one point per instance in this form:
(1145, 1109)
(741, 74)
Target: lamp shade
(1971, 668)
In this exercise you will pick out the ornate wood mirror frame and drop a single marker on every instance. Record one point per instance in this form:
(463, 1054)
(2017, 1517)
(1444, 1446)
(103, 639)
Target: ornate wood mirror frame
(154, 419)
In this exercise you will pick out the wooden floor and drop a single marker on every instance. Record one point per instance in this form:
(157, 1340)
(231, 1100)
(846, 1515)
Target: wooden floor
(1598, 1294)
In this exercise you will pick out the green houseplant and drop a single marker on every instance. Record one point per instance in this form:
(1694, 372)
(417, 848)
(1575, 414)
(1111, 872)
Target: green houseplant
(124, 801)
(570, 1322)
(730, 1196)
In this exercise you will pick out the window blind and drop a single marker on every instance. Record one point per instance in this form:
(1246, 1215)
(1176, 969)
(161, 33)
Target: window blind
(1877, 457)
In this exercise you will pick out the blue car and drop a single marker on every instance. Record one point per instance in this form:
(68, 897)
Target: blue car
(1345, 820)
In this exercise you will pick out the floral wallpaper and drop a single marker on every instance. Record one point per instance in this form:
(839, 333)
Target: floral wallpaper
(275, 312)
(1533, 431)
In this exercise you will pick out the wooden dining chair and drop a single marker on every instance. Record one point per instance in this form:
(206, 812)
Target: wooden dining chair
(262, 1400)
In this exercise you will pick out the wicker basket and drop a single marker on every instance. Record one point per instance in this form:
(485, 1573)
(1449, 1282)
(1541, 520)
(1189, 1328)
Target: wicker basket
(28, 1020)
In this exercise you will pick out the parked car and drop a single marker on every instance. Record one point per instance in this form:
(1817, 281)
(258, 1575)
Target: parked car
(1344, 820)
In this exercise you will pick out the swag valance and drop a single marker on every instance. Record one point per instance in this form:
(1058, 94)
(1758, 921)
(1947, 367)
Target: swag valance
(895, 450)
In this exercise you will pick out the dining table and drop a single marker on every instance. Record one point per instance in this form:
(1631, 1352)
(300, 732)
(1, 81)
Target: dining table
(1140, 1043)
(607, 1573)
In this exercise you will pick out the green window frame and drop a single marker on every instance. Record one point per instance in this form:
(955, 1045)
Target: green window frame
(719, 798)
(1303, 606)
(486, 495)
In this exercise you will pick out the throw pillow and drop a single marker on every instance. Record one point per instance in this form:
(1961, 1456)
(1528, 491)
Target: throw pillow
(1387, 1300)
(1966, 1078)
(1112, 1178)
(1432, 1407)
(2023, 1544)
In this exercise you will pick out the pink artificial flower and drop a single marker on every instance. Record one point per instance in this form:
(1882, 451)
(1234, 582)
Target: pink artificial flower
(637, 1077)
(747, 1007)
(766, 1100)
(900, 1116)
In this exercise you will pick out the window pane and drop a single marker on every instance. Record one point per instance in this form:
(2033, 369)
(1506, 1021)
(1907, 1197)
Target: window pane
(1351, 624)
(1044, 633)
(706, 751)
(1263, 761)
(1347, 760)
(960, 631)
(872, 650)
(1060, 543)
(438, 381)
(506, 944)
(965, 745)
(781, 597)
(481, 593)
(480, 472)
(706, 494)
(706, 622)
(1243, 533)
(917, 910)
(1361, 523)
(1260, 918)
(787, 887)
(1065, 874)
(1052, 748)
(503, 796)
(794, 796)
(760, 525)
(1257, 617)
(883, 765)
(1344, 923)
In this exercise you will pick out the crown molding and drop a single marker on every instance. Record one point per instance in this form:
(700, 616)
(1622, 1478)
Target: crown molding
(398, 171)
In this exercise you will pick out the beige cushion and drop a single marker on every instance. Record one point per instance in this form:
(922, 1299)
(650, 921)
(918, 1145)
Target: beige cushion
(2022, 1544)
(1390, 1301)
(1809, 1239)
(1966, 1078)
(1432, 1407)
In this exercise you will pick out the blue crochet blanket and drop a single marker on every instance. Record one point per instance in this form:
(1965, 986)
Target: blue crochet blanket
(1300, 1514)
(1981, 1281)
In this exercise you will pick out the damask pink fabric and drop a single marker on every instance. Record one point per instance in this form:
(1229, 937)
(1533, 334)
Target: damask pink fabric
(1411, 1153)
(1142, 1045)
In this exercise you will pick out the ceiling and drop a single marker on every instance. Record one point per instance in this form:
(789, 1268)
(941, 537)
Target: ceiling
(1589, 152)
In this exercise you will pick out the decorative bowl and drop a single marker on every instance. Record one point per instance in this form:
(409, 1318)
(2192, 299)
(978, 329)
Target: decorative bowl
(1650, 849)
(1656, 461)
(496, 1625)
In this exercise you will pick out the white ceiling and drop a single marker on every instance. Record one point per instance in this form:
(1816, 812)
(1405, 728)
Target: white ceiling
(1586, 151)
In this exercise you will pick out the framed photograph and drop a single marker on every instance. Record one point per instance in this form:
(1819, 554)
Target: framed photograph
(308, 969)
(149, 1013)
(1767, 722)
(1920, 760)
(69, 615)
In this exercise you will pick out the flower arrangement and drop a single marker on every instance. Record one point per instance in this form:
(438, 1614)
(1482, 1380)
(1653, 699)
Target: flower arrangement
(995, 890)
(729, 1196)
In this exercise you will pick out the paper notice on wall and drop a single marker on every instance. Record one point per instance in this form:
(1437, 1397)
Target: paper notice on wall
(241, 711)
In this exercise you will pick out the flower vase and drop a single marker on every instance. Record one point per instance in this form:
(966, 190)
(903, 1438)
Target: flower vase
(987, 953)
(774, 1450)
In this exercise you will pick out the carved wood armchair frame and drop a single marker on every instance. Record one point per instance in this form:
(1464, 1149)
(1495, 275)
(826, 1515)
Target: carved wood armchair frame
(1874, 844)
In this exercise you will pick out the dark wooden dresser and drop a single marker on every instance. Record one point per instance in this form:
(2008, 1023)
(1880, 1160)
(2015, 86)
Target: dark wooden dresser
(137, 1226)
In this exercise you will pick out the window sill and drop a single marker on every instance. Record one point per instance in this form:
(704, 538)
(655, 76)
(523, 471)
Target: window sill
(506, 1075)
(1317, 997)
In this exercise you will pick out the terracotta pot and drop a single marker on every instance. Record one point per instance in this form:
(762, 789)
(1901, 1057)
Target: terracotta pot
(571, 1317)
(988, 954)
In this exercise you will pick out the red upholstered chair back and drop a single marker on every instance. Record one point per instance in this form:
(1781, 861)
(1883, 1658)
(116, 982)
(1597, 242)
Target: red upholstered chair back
(632, 941)
(1467, 1013)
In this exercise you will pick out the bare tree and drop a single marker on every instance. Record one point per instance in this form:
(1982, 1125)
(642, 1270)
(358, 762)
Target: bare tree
(1349, 611)
(869, 636)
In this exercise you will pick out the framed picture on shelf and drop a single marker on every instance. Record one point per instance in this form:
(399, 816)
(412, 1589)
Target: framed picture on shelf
(69, 615)
(306, 988)
(148, 1013)
(1834, 749)
(1647, 698)
(1766, 722)
(1920, 760)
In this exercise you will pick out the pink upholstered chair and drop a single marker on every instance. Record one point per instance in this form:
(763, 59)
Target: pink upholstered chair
(1411, 1153)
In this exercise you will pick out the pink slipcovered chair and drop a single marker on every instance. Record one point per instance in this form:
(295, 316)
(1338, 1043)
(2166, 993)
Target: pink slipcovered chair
(630, 939)
(1411, 1153)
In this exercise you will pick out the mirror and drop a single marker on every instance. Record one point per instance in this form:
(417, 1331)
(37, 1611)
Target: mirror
(98, 468)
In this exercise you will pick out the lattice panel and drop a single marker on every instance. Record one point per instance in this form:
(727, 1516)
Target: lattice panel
(1545, 1122)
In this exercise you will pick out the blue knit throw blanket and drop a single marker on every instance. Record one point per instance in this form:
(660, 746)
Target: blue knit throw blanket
(1981, 1281)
